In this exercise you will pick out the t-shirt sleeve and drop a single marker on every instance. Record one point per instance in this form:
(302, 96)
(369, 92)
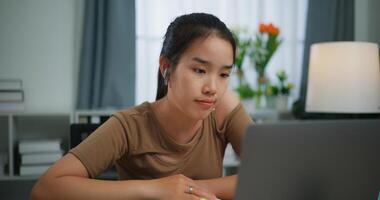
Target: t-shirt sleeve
(234, 127)
(103, 147)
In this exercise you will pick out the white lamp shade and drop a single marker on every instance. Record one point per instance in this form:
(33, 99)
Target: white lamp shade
(344, 77)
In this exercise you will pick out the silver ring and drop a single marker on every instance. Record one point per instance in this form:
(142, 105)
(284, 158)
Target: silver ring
(190, 190)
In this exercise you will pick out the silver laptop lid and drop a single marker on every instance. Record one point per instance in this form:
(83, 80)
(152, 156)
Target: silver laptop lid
(311, 160)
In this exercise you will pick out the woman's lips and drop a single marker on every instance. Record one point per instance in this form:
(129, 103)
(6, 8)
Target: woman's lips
(205, 104)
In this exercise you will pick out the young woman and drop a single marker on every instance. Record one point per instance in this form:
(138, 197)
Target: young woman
(172, 148)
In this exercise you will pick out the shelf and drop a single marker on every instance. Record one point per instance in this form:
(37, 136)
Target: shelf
(40, 114)
(19, 126)
(266, 115)
(18, 178)
(91, 116)
(94, 112)
(269, 115)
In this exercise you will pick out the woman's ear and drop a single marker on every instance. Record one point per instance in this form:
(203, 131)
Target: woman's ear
(164, 65)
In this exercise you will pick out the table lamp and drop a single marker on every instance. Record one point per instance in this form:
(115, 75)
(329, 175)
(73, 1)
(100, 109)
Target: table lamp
(344, 77)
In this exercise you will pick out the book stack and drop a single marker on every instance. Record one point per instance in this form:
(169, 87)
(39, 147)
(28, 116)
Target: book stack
(11, 95)
(36, 156)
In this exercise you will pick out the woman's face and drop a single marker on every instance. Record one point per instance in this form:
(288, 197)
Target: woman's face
(201, 77)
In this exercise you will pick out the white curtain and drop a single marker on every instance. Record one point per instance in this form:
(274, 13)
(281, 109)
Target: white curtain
(154, 16)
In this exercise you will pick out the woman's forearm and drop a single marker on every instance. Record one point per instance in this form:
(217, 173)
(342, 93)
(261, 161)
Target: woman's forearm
(72, 187)
(223, 188)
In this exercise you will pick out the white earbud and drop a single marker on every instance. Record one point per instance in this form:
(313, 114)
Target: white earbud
(164, 75)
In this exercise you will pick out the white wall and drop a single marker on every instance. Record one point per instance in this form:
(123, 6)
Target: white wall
(40, 43)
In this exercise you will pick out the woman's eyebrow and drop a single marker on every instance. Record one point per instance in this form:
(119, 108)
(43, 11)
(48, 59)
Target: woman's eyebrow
(202, 61)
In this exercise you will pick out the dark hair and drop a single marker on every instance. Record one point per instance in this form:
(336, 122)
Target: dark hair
(181, 33)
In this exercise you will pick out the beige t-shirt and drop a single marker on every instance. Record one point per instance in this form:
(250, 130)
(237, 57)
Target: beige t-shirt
(134, 141)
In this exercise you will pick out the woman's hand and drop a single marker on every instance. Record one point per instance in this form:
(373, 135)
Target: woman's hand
(179, 187)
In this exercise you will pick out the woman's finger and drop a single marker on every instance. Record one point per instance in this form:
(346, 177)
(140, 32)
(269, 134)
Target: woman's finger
(195, 197)
(200, 193)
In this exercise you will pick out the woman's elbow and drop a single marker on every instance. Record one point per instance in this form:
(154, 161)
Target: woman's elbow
(37, 192)
(40, 190)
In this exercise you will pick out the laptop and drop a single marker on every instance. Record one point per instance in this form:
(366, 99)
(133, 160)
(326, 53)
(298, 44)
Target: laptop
(311, 160)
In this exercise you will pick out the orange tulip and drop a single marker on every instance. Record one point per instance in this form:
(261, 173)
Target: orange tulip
(263, 28)
(272, 30)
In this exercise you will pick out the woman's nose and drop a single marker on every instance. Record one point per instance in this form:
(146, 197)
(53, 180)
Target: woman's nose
(210, 87)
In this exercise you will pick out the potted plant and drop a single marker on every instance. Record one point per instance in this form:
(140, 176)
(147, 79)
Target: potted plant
(278, 94)
(263, 48)
(243, 45)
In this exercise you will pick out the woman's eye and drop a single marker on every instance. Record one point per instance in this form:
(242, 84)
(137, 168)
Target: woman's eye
(199, 71)
(225, 75)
